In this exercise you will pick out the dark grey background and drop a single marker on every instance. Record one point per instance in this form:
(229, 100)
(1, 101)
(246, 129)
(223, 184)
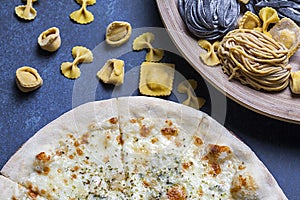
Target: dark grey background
(276, 143)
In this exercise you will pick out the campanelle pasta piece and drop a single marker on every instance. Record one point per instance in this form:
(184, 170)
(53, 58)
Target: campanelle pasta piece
(28, 79)
(112, 72)
(249, 21)
(26, 12)
(144, 42)
(156, 79)
(210, 58)
(117, 33)
(188, 87)
(50, 40)
(268, 16)
(83, 16)
(295, 82)
(81, 55)
(287, 32)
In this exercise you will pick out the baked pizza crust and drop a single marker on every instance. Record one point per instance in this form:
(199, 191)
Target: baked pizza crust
(123, 111)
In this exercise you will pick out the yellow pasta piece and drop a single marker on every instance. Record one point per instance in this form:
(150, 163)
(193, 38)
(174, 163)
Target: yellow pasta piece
(28, 79)
(268, 16)
(188, 87)
(144, 42)
(210, 58)
(50, 40)
(112, 72)
(83, 16)
(156, 79)
(26, 12)
(287, 32)
(249, 21)
(295, 82)
(117, 33)
(244, 1)
(81, 55)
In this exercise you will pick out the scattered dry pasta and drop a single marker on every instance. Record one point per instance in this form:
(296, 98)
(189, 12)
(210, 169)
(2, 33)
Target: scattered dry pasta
(83, 16)
(249, 21)
(295, 82)
(144, 42)
(112, 72)
(188, 87)
(27, 11)
(117, 33)
(255, 59)
(80, 55)
(28, 79)
(210, 58)
(50, 40)
(156, 79)
(287, 32)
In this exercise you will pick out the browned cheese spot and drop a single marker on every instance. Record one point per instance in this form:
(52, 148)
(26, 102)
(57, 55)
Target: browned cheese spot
(177, 192)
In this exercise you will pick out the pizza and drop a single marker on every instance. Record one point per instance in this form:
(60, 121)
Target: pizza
(136, 148)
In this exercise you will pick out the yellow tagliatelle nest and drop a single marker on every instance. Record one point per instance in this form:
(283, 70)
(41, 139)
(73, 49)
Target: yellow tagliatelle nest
(144, 42)
(112, 72)
(156, 79)
(255, 59)
(28, 79)
(26, 12)
(188, 87)
(249, 21)
(210, 58)
(117, 33)
(295, 82)
(83, 16)
(287, 32)
(80, 55)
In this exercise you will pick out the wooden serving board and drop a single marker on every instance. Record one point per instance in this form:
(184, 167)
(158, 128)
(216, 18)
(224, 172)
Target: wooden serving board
(279, 105)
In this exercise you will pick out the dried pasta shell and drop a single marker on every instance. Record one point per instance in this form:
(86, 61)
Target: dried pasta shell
(112, 72)
(249, 21)
(287, 32)
(188, 87)
(81, 55)
(28, 79)
(156, 79)
(50, 40)
(118, 32)
(26, 12)
(268, 16)
(210, 58)
(295, 82)
(143, 41)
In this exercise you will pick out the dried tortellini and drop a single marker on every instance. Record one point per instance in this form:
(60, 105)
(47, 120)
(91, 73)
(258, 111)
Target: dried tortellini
(188, 87)
(28, 79)
(156, 79)
(117, 33)
(27, 11)
(83, 16)
(287, 32)
(295, 82)
(80, 55)
(112, 72)
(210, 58)
(144, 42)
(255, 59)
(50, 40)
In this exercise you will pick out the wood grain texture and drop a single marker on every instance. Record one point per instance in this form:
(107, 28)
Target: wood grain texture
(279, 105)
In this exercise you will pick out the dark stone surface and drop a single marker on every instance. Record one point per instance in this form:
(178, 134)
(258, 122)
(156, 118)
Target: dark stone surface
(276, 143)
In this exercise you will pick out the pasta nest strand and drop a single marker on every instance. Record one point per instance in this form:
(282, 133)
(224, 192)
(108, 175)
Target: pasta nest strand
(255, 59)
